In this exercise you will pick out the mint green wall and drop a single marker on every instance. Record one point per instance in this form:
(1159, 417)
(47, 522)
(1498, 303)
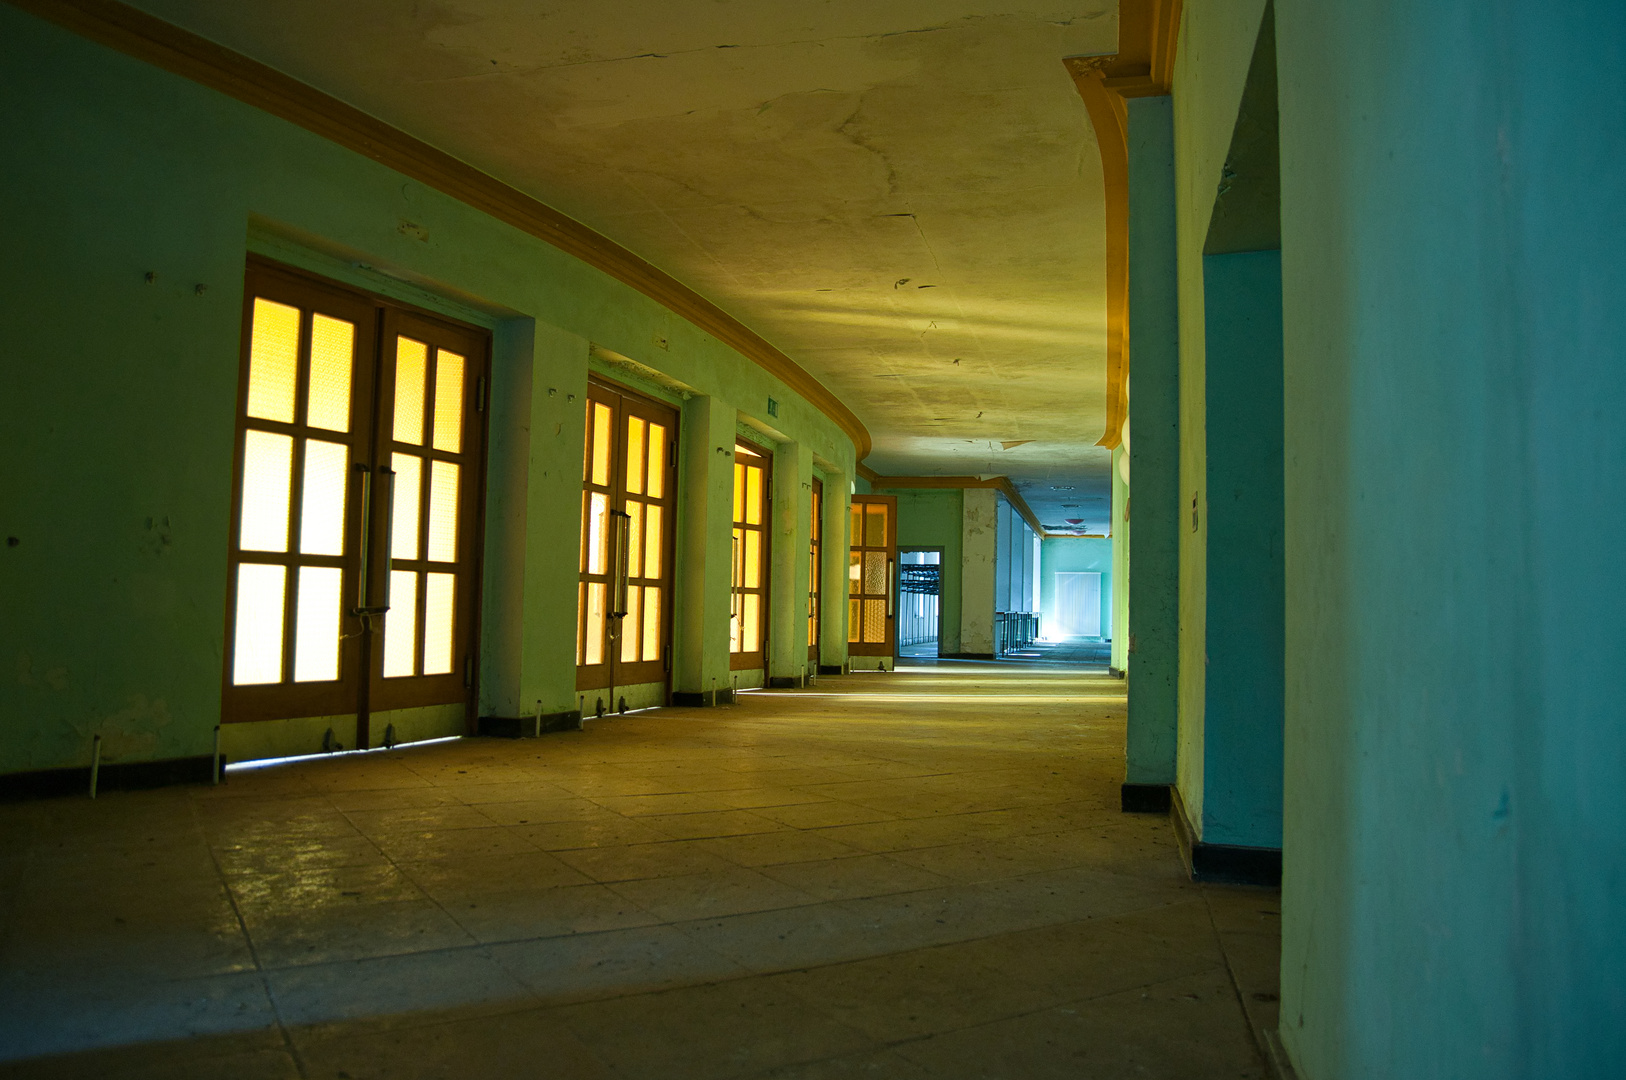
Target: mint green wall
(117, 429)
(979, 547)
(1091, 554)
(1118, 629)
(930, 517)
(1154, 501)
(1453, 280)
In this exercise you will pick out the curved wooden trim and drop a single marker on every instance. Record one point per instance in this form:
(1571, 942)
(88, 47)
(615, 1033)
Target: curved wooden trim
(164, 45)
(1143, 67)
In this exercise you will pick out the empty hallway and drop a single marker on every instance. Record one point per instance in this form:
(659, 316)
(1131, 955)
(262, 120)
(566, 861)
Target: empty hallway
(913, 874)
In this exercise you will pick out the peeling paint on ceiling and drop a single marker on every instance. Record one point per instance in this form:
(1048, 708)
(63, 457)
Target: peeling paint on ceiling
(902, 195)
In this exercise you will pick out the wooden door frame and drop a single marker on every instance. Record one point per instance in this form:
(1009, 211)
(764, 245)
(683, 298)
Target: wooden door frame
(888, 648)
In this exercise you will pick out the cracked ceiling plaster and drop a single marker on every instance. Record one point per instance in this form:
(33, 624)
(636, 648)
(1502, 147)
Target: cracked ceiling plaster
(902, 195)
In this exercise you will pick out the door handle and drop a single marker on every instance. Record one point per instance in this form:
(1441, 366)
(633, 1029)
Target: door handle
(366, 474)
(622, 568)
(891, 588)
(363, 592)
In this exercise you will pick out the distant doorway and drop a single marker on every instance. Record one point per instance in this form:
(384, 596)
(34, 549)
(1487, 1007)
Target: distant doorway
(920, 595)
(1078, 606)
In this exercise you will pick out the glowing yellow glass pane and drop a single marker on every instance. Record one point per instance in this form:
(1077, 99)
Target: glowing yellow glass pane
(317, 608)
(875, 573)
(629, 626)
(438, 593)
(602, 428)
(853, 609)
(854, 583)
(268, 465)
(751, 624)
(739, 492)
(443, 478)
(737, 575)
(753, 495)
(401, 624)
(595, 624)
(635, 454)
(598, 533)
(753, 559)
(855, 524)
(333, 348)
(411, 370)
(321, 503)
(875, 525)
(734, 626)
(581, 614)
(652, 542)
(273, 361)
(635, 538)
(408, 487)
(874, 621)
(652, 623)
(448, 401)
(657, 461)
(257, 637)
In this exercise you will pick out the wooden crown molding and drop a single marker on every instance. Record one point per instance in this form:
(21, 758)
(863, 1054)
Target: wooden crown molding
(164, 45)
(1002, 484)
(1148, 34)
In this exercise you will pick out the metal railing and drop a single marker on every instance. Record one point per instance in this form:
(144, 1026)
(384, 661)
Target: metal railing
(1014, 630)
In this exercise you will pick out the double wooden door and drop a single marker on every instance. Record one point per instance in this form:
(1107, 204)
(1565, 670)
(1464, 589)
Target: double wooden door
(872, 607)
(753, 501)
(815, 575)
(624, 599)
(355, 535)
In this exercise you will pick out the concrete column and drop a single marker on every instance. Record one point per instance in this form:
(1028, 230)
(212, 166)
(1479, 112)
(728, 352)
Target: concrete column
(979, 546)
(834, 549)
(787, 602)
(533, 495)
(1153, 650)
(704, 551)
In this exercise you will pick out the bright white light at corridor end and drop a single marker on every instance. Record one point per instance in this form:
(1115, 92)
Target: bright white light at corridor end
(261, 763)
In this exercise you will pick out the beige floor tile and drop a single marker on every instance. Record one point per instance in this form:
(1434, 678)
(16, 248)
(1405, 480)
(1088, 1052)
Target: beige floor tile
(423, 846)
(702, 896)
(823, 814)
(615, 963)
(675, 858)
(852, 878)
(541, 811)
(707, 825)
(358, 931)
(518, 1044)
(783, 846)
(731, 1029)
(520, 914)
(605, 830)
(491, 873)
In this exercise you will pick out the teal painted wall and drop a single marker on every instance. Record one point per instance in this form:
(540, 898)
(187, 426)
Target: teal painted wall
(1241, 722)
(930, 517)
(1453, 283)
(117, 428)
(1090, 554)
(1216, 50)
(1152, 503)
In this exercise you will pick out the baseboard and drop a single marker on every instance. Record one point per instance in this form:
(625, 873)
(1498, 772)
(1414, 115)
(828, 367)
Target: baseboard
(110, 776)
(1281, 1066)
(1227, 864)
(1145, 798)
(965, 656)
(831, 669)
(786, 682)
(699, 699)
(1117, 673)
(520, 727)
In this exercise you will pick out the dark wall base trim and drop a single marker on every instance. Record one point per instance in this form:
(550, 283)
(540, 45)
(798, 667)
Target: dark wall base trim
(830, 669)
(112, 776)
(1228, 864)
(700, 699)
(1116, 673)
(965, 656)
(521, 727)
(1145, 798)
(786, 682)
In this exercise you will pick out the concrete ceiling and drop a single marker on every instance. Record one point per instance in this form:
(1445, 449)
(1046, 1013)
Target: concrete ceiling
(904, 196)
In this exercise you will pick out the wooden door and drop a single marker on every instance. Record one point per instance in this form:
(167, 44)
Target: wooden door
(753, 498)
(355, 540)
(629, 475)
(872, 576)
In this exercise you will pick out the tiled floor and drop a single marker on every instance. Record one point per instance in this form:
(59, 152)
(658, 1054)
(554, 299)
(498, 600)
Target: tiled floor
(914, 874)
